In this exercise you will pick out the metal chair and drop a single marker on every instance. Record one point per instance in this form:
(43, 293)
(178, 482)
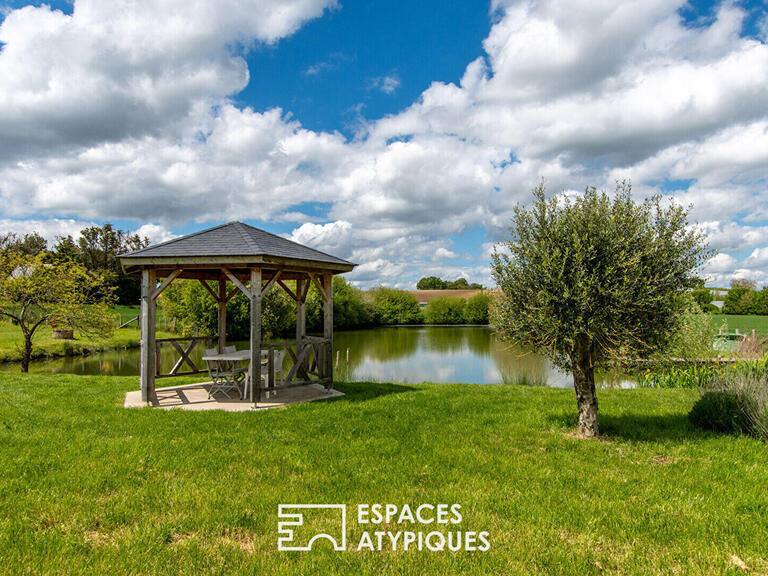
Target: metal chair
(224, 375)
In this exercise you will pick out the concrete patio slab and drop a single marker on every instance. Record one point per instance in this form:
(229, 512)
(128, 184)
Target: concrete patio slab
(195, 397)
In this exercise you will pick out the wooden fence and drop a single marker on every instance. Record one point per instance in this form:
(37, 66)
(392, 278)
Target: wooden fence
(184, 346)
(311, 362)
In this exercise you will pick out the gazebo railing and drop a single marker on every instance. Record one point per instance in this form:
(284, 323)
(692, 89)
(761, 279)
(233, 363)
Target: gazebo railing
(310, 363)
(184, 347)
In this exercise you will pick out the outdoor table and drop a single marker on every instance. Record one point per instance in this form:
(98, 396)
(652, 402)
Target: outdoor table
(239, 356)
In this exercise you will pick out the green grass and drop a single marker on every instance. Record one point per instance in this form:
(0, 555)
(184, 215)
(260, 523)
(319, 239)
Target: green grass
(11, 339)
(745, 323)
(91, 488)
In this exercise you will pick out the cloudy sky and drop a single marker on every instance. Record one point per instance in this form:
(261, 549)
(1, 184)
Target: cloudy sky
(393, 133)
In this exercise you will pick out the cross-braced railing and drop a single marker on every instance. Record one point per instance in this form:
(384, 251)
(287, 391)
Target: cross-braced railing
(310, 362)
(184, 347)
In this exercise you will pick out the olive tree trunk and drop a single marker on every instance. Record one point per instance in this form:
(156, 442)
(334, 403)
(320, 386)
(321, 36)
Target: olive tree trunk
(584, 384)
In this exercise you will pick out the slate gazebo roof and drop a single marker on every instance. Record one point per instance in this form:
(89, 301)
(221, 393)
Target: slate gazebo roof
(232, 243)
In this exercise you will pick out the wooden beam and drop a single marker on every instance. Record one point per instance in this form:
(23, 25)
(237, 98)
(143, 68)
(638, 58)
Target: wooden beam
(288, 290)
(275, 276)
(159, 290)
(222, 316)
(231, 293)
(318, 285)
(148, 353)
(255, 369)
(210, 290)
(239, 284)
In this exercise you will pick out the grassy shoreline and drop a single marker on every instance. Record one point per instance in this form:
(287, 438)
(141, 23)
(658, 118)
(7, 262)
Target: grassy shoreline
(91, 487)
(45, 347)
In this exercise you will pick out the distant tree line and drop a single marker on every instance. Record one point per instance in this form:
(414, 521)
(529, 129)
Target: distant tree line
(742, 298)
(96, 249)
(435, 283)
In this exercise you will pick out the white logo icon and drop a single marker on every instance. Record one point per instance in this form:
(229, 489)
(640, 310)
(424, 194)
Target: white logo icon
(293, 537)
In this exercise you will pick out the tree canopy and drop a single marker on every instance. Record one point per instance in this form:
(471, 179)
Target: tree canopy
(435, 283)
(34, 292)
(589, 278)
(97, 249)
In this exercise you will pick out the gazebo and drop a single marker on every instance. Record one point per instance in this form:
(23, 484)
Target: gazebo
(252, 261)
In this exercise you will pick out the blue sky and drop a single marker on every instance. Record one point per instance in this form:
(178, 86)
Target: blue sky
(396, 134)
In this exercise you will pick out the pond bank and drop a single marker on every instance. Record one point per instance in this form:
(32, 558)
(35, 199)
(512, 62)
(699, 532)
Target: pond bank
(46, 348)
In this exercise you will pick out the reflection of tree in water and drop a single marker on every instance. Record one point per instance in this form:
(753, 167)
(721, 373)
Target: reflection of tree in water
(517, 366)
(380, 344)
(444, 339)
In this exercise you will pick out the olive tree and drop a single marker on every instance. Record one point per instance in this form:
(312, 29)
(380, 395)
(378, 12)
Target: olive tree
(35, 292)
(589, 278)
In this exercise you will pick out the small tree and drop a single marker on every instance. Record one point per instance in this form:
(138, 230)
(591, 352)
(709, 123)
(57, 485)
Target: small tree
(430, 283)
(739, 299)
(34, 292)
(445, 311)
(476, 311)
(593, 278)
(391, 306)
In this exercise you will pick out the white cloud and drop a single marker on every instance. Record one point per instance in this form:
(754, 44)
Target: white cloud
(122, 111)
(757, 259)
(127, 68)
(155, 233)
(387, 84)
(49, 229)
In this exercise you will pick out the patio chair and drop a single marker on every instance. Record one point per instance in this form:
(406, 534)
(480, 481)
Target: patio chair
(223, 376)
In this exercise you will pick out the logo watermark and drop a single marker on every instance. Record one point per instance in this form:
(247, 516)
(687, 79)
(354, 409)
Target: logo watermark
(295, 535)
(426, 527)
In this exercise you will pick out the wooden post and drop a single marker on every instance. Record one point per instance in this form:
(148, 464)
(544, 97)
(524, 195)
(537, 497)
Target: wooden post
(301, 316)
(148, 351)
(255, 335)
(328, 328)
(222, 299)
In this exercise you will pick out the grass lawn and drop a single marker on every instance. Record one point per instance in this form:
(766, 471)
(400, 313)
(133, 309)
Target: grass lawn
(11, 339)
(89, 487)
(745, 323)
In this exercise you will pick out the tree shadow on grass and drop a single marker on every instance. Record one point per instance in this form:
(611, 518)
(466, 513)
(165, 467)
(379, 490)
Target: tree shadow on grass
(362, 391)
(637, 427)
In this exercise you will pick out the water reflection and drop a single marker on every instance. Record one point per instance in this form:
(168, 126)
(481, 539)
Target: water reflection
(445, 354)
(401, 354)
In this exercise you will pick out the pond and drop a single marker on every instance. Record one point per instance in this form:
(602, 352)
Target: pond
(465, 354)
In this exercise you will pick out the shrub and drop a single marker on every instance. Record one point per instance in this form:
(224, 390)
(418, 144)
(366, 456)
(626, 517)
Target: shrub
(692, 333)
(736, 401)
(739, 300)
(695, 376)
(719, 411)
(445, 311)
(392, 306)
(703, 297)
(476, 311)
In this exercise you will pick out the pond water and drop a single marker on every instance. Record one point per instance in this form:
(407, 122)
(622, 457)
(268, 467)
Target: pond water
(465, 354)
